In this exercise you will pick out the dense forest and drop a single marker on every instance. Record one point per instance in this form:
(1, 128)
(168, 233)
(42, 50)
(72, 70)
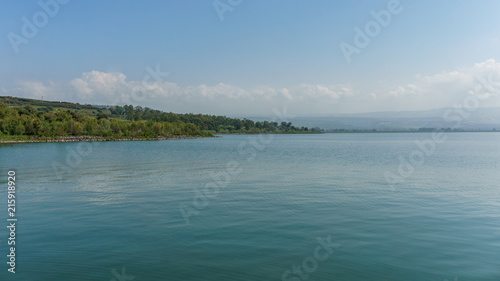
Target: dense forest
(39, 120)
(212, 123)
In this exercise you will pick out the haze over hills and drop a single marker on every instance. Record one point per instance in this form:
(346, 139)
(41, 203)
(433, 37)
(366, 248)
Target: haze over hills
(487, 118)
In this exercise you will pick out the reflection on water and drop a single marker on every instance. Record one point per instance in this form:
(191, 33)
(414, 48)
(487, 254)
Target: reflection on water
(119, 208)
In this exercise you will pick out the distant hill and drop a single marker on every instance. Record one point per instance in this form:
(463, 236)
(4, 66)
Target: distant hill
(479, 119)
(13, 101)
(37, 120)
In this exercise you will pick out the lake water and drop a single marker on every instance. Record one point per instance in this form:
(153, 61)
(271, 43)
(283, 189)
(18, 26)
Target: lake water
(244, 207)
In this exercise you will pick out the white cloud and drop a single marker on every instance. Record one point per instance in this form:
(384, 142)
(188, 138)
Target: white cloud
(101, 86)
(34, 89)
(426, 92)
(323, 92)
(447, 88)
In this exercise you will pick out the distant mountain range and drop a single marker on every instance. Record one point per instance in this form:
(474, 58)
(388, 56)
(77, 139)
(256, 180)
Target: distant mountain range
(479, 119)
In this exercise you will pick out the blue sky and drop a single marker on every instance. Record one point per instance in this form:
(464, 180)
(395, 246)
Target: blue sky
(261, 55)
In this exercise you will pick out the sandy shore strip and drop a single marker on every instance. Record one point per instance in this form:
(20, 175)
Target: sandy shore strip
(92, 138)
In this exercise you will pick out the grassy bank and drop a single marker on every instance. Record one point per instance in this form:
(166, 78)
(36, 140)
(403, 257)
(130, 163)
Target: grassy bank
(26, 139)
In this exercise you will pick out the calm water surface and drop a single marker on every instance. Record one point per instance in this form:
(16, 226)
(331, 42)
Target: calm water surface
(115, 210)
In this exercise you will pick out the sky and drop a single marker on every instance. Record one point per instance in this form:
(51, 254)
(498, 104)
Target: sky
(247, 58)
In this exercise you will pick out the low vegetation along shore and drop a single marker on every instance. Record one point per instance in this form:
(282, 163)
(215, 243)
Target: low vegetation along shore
(27, 120)
(90, 138)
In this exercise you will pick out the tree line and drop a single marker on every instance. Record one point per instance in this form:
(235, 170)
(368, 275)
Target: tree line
(125, 122)
(30, 121)
(213, 123)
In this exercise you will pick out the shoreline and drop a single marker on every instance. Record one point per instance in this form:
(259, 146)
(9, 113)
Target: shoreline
(102, 139)
(217, 135)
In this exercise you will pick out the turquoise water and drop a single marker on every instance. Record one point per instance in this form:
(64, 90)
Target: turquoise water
(114, 210)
